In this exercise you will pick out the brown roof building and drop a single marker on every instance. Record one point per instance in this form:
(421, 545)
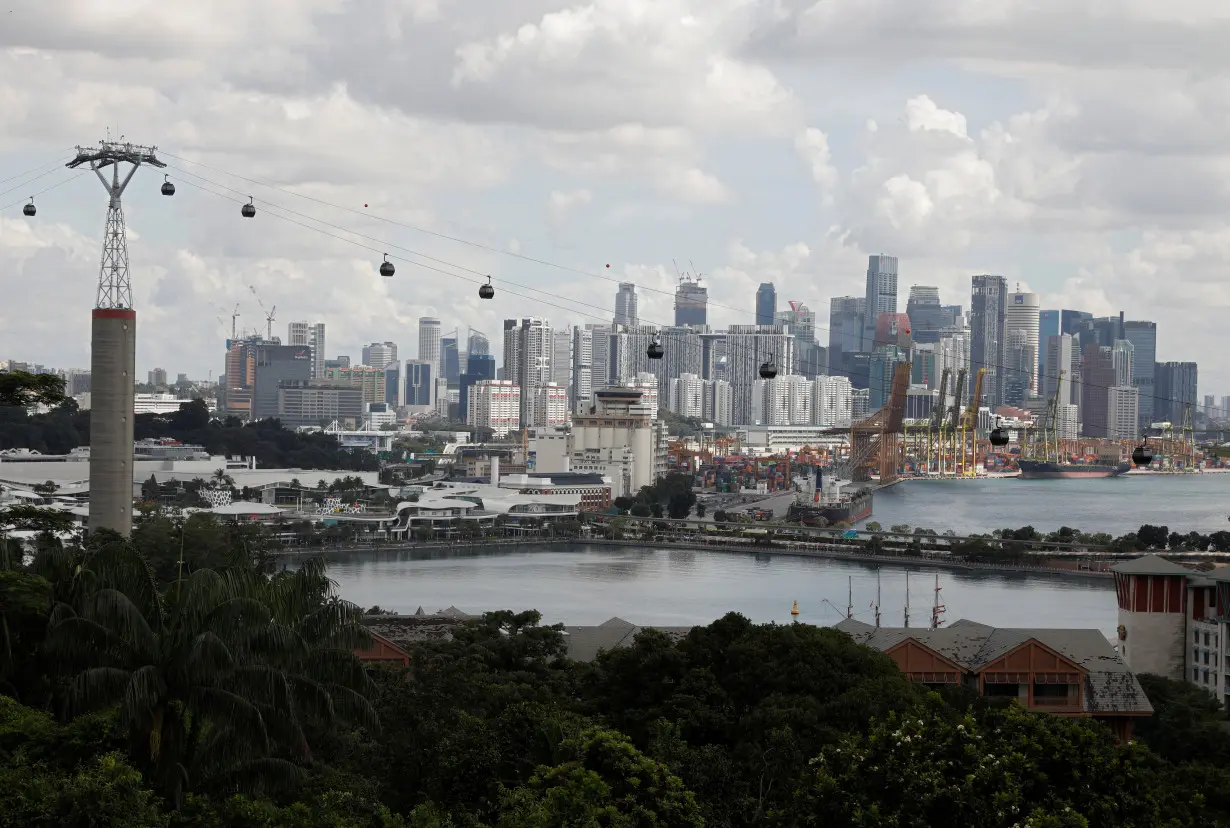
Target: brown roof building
(1064, 672)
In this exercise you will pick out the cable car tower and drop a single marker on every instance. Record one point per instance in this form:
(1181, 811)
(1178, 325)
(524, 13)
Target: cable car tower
(113, 338)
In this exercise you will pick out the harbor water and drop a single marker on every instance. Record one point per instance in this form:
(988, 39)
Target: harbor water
(587, 584)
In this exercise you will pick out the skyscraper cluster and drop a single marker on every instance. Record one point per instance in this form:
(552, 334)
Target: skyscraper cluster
(1101, 371)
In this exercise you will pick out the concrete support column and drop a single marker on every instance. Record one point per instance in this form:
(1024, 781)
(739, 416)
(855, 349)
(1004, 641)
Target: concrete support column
(113, 356)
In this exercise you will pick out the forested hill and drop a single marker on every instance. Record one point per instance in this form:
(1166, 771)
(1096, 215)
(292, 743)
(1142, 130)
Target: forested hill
(66, 427)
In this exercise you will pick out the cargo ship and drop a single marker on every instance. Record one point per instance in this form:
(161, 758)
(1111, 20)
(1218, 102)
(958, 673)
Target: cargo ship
(1050, 470)
(828, 505)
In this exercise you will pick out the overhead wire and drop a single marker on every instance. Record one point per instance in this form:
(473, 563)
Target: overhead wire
(21, 201)
(59, 161)
(973, 364)
(53, 168)
(753, 358)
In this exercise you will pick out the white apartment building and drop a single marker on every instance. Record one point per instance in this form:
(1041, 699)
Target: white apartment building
(1067, 422)
(647, 384)
(687, 396)
(718, 403)
(495, 404)
(1122, 412)
(551, 405)
(783, 400)
(832, 402)
(582, 385)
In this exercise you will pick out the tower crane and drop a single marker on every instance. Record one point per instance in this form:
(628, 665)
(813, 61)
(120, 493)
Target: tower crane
(268, 313)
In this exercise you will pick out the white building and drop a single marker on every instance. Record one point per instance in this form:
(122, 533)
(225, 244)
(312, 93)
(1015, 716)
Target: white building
(647, 384)
(550, 405)
(380, 354)
(718, 403)
(1068, 422)
(528, 352)
(429, 343)
(832, 404)
(311, 334)
(495, 404)
(1122, 412)
(619, 437)
(156, 403)
(747, 348)
(783, 400)
(582, 384)
(1022, 315)
(687, 396)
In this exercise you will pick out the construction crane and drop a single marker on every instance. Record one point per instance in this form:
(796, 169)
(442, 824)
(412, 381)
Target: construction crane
(234, 321)
(934, 443)
(268, 313)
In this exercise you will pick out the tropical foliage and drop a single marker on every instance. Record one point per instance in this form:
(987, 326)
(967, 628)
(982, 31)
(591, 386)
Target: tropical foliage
(178, 679)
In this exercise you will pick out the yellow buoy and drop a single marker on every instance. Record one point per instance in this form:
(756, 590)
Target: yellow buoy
(795, 609)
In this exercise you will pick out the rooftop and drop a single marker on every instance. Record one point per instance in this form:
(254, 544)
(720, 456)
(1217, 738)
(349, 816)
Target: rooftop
(1150, 564)
(1111, 687)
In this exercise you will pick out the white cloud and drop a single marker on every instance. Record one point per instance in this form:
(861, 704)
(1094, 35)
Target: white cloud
(1083, 149)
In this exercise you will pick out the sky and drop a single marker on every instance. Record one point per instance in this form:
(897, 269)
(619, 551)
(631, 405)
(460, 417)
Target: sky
(1080, 149)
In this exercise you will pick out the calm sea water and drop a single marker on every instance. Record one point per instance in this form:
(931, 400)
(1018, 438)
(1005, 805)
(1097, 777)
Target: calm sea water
(585, 584)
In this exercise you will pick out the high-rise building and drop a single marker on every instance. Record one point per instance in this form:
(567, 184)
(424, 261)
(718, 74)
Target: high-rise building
(687, 396)
(748, 347)
(1143, 336)
(311, 334)
(988, 315)
(420, 384)
(477, 343)
(683, 353)
(429, 343)
(845, 331)
(1021, 313)
(158, 377)
(766, 304)
(1059, 355)
(1048, 326)
(691, 302)
(1097, 378)
(271, 365)
(1122, 417)
(479, 367)
(1122, 356)
(811, 358)
(880, 296)
(625, 305)
(1071, 321)
(832, 402)
(528, 351)
(551, 405)
(927, 316)
(379, 354)
(450, 359)
(494, 404)
(1175, 391)
(561, 357)
(581, 386)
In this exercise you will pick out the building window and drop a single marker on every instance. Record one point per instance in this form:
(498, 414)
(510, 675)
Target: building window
(1206, 639)
(1206, 656)
(1195, 636)
(1195, 656)
(1195, 674)
(1206, 676)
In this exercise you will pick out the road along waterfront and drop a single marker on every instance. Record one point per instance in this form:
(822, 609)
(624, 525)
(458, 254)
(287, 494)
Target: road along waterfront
(589, 583)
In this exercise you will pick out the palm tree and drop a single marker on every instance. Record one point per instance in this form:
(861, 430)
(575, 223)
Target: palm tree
(211, 675)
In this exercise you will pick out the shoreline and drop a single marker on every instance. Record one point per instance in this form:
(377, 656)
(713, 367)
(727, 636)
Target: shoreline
(902, 561)
(834, 553)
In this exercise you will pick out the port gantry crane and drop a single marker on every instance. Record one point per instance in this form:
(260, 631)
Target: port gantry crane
(935, 445)
(969, 430)
(877, 439)
(950, 425)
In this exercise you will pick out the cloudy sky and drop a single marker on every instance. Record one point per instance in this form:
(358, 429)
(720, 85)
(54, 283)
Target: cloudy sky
(1080, 148)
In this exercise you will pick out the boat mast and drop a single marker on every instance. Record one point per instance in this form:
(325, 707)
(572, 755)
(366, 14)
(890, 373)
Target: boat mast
(937, 609)
(907, 598)
(877, 597)
(849, 596)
